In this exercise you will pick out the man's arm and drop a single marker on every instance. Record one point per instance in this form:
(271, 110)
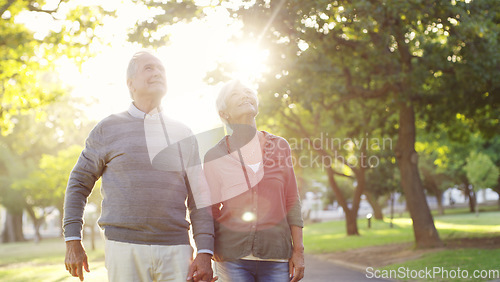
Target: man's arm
(201, 218)
(82, 179)
(203, 234)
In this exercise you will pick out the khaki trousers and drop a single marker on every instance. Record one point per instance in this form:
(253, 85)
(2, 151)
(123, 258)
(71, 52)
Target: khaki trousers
(135, 262)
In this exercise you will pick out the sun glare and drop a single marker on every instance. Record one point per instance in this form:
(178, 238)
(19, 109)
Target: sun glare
(193, 50)
(248, 60)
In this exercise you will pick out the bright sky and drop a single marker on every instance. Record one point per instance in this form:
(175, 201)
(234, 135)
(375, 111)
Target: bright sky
(193, 50)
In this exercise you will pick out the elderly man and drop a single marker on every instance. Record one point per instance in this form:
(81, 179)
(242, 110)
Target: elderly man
(144, 206)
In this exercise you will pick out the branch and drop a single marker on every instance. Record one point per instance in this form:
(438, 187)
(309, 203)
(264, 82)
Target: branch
(287, 125)
(360, 92)
(301, 130)
(336, 190)
(36, 9)
(341, 174)
(6, 6)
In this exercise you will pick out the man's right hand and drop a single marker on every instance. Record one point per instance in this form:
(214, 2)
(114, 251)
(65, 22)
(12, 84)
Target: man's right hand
(76, 258)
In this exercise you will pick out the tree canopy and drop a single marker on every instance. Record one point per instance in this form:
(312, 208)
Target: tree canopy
(33, 36)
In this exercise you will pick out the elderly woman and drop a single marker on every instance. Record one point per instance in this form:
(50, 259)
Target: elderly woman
(257, 219)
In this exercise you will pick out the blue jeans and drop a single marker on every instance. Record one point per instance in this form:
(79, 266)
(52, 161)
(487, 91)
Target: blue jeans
(252, 271)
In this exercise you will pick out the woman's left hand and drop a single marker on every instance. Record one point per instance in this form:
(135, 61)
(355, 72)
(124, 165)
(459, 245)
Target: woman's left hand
(296, 265)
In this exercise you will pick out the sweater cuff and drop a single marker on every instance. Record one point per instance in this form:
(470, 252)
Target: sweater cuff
(73, 230)
(205, 242)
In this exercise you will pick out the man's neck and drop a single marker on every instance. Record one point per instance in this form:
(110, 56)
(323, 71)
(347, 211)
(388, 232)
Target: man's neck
(146, 106)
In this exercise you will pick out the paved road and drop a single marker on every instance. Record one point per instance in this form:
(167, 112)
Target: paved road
(318, 270)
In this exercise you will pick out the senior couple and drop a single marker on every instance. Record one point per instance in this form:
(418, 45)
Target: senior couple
(244, 207)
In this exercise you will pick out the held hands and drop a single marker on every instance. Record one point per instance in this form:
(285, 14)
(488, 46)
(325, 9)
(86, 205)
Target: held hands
(76, 258)
(201, 269)
(296, 265)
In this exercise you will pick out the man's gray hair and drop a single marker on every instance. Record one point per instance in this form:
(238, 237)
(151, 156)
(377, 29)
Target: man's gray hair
(226, 91)
(132, 65)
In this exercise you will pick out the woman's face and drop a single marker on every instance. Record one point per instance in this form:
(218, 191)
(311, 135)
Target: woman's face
(241, 102)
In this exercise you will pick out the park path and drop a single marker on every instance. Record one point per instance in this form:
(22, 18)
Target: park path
(317, 270)
(320, 270)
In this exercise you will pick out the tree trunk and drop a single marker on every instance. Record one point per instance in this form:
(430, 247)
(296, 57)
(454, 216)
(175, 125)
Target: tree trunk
(37, 222)
(61, 215)
(350, 214)
(351, 221)
(377, 209)
(92, 236)
(426, 235)
(13, 228)
(497, 189)
(432, 186)
(472, 197)
(439, 198)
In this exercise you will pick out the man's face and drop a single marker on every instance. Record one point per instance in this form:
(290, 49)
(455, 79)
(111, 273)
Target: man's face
(149, 79)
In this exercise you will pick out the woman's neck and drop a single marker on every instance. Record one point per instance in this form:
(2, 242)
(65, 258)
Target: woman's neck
(243, 133)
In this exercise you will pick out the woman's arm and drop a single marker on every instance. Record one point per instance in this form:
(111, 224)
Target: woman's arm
(296, 263)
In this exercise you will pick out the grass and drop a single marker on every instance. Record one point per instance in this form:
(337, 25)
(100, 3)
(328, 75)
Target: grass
(44, 261)
(330, 237)
(449, 264)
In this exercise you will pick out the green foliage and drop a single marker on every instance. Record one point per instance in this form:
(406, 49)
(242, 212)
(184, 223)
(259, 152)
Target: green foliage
(31, 169)
(384, 178)
(13, 169)
(45, 186)
(481, 171)
(29, 56)
(152, 31)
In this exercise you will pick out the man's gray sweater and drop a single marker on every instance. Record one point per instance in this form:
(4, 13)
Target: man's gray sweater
(141, 204)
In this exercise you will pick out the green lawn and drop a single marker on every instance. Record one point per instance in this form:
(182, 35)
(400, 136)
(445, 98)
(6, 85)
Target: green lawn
(331, 237)
(452, 265)
(28, 261)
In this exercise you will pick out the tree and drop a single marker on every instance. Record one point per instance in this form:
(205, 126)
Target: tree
(491, 147)
(29, 56)
(481, 171)
(346, 152)
(382, 181)
(433, 181)
(445, 152)
(12, 168)
(59, 126)
(43, 190)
